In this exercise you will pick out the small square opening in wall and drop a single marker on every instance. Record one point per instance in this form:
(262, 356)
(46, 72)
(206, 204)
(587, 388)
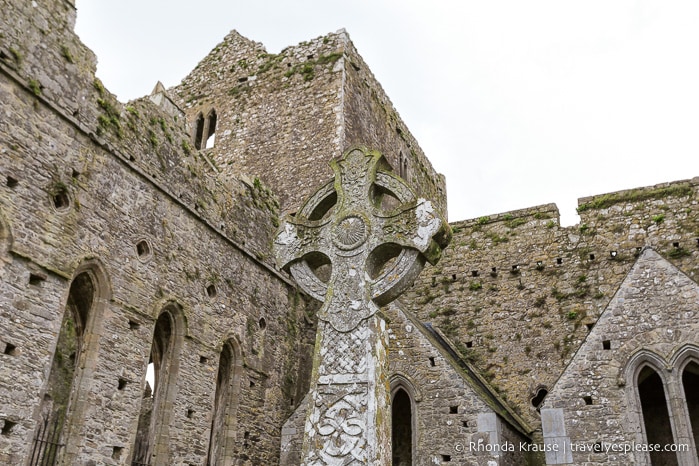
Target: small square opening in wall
(211, 291)
(190, 413)
(10, 349)
(474, 273)
(36, 279)
(559, 260)
(203, 359)
(133, 325)
(432, 363)
(464, 424)
(587, 400)
(116, 452)
(122, 384)
(589, 326)
(11, 182)
(453, 410)
(592, 257)
(453, 277)
(676, 244)
(606, 344)
(446, 458)
(7, 427)
(469, 344)
(252, 384)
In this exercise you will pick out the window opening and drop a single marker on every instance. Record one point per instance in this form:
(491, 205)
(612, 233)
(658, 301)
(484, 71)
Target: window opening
(402, 428)
(655, 415)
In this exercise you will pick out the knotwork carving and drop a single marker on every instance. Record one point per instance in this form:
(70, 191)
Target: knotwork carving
(341, 426)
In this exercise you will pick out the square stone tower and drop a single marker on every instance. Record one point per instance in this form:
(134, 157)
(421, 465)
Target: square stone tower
(283, 117)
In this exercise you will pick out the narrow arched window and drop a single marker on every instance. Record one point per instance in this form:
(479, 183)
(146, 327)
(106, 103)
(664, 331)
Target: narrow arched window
(199, 131)
(402, 166)
(152, 439)
(210, 130)
(225, 404)
(61, 396)
(656, 418)
(690, 383)
(402, 429)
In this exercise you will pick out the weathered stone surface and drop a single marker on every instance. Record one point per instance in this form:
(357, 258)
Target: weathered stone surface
(118, 191)
(302, 107)
(651, 318)
(347, 421)
(518, 293)
(128, 177)
(449, 400)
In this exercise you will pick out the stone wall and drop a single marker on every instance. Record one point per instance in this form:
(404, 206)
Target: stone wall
(455, 415)
(371, 120)
(89, 184)
(519, 294)
(454, 409)
(651, 320)
(283, 117)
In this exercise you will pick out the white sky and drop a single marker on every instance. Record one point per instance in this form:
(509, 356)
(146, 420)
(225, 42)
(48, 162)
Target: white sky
(517, 102)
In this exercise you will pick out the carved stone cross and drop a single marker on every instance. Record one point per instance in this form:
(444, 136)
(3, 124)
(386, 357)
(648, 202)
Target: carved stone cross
(346, 249)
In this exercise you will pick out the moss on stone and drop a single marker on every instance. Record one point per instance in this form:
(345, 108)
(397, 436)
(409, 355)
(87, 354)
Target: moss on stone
(67, 54)
(16, 55)
(636, 195)
(35, 87)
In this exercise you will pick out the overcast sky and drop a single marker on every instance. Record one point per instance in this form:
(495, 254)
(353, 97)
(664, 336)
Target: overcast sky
(518, 103)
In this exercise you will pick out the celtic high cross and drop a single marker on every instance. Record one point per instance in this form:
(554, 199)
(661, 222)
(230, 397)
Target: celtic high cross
(373, 254)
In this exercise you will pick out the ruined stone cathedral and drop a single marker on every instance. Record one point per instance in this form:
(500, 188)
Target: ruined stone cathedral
(140, 237)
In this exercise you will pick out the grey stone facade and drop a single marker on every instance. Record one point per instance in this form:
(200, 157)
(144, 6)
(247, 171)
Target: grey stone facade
(126, 242)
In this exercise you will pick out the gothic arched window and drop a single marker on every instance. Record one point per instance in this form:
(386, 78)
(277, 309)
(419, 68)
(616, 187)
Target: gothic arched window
(402, 428)
(223, 421)
(205, 130)
(63, 405)
(656, 417)
(152, 438)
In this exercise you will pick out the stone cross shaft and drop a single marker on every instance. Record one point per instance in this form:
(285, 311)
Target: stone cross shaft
(373, 252)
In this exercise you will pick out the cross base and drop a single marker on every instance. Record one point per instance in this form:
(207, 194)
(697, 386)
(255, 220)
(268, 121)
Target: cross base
(348, 422)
